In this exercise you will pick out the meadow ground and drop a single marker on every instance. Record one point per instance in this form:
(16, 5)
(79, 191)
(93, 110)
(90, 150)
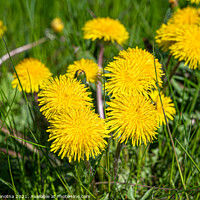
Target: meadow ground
(157, 170)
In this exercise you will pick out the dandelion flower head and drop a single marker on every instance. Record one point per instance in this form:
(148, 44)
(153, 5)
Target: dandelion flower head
(187, 46)
(32, 74)
(188, 15)
(107, 29)
(133, 71)
(195, 1)
(59, 94)
(78, 133)
(90, 68)
(166, 34)
(2, 28)
(57, 25)
(168, 106)
(132, 117)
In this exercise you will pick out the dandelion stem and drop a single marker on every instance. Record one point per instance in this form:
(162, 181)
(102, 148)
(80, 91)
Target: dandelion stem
(22, 49)
(100, 106)
(116, 159)
(171, 74)
(174, 70)
(168, 60)
(126, 157)
(108, 168)
(99, 93)
(93, 185)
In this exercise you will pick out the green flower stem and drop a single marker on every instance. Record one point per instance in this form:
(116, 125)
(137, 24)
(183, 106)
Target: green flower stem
(116, 159)
(93, 183)
(141, 156)
(126, 157)
(168, 61)
(171, 75)
(99, 88)
(108, 168)
(174, 70)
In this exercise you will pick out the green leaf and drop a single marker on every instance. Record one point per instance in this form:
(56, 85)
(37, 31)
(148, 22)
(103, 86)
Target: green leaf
(147, 194)
(7, 183)
(130, 193)
(105, 197)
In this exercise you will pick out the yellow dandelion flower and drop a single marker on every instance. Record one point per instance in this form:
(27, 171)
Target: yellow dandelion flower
(105, 28)
(166, 34)
(78, 133)
(132, 117)
(57, 25)
(59, 94)
(90, 68)
(187, 46)
(194, 1)
(168, 106)
(188, 15)
(32, 74)
(2, 28)
(133, 71)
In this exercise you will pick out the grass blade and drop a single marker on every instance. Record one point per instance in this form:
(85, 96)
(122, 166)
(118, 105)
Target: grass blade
(188, 155)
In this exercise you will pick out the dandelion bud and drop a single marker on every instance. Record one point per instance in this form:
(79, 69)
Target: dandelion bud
(80, 75)
(57, 25)
(173, 3)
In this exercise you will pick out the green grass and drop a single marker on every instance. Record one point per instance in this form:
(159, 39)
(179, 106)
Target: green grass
(37, 171)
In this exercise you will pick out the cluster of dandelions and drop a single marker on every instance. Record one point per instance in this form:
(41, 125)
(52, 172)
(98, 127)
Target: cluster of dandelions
(131, 112)
(181, 36)
(134, 112)
(76, 129)
(135, 109)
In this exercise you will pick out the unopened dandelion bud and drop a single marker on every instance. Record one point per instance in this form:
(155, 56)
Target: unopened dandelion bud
(89, 67)
(57, 25)
(81, 76)
(173, 3)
